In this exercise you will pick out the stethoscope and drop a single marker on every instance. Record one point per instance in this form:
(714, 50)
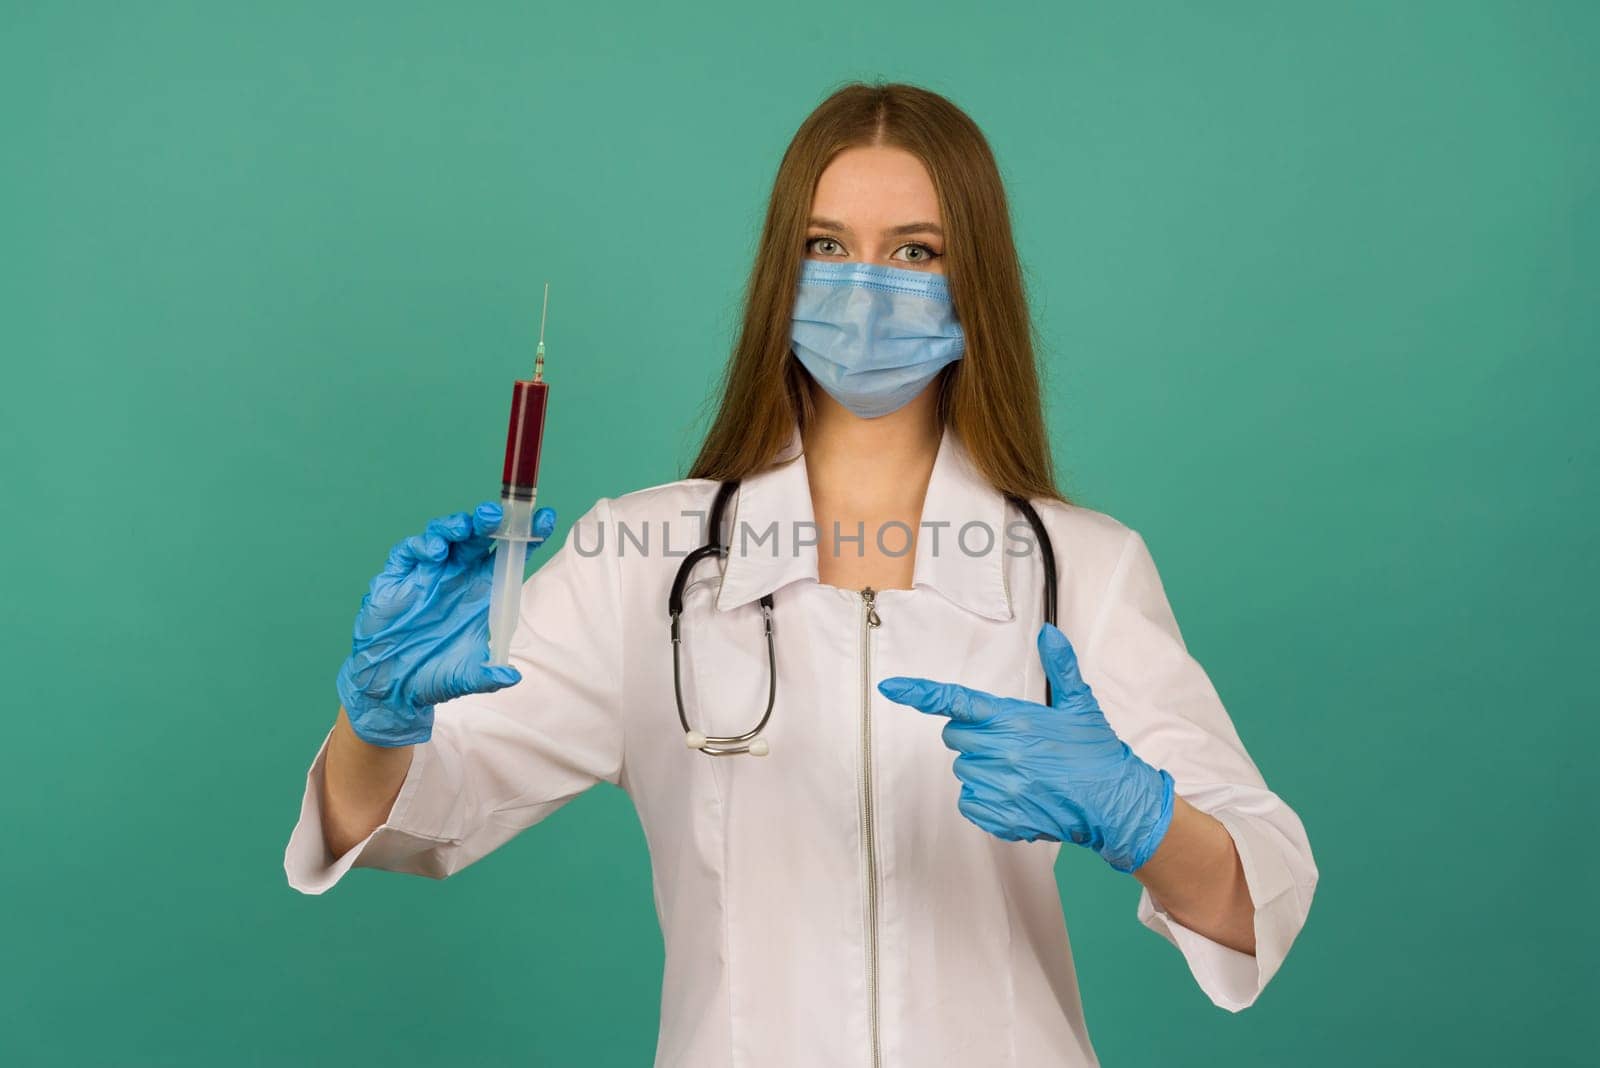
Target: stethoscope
(748, 742)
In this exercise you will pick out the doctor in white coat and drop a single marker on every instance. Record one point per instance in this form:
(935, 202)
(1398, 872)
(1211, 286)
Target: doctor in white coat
(878, 888)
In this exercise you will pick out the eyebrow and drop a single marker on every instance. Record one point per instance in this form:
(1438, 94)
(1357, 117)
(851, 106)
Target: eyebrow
(893, 231)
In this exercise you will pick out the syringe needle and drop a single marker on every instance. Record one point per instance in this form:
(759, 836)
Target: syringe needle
(543, 312)
(538, 355)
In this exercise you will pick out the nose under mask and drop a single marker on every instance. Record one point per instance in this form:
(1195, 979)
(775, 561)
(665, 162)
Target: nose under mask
(873, 336)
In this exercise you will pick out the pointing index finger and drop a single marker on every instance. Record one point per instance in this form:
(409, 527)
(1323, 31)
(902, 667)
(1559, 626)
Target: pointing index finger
(960, 703)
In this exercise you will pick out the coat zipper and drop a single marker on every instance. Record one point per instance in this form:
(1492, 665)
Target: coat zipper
(869, 622)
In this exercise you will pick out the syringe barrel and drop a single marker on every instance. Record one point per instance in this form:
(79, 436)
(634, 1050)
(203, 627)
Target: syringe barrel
(524, 437)
(505, 598)
(516, 519)
(510, 560)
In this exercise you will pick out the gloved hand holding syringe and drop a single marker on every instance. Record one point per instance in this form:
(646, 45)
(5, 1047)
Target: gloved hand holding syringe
(437, 622)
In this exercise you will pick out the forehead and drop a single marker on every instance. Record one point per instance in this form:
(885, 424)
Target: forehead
(874, 184)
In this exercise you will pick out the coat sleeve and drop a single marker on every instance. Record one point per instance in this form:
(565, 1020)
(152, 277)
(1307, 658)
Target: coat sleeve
(498, 763)
(1161, 702)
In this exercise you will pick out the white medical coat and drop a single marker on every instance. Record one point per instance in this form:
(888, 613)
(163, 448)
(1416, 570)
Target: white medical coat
(827, 904)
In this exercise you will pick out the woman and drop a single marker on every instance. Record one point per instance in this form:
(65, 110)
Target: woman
(859, 895)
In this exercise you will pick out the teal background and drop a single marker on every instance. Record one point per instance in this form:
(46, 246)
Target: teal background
(1316, 290)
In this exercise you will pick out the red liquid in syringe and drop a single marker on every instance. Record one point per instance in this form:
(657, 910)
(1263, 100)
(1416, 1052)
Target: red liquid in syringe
(524, 436)
(519, 480)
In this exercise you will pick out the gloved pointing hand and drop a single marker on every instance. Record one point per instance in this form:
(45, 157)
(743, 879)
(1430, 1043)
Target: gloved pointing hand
(422, 634)
(1032, 771)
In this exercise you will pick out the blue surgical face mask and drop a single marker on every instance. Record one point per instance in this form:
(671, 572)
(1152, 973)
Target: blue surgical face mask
(872, 336)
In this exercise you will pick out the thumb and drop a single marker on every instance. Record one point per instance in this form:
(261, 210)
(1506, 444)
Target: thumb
(544, 524)
(1060, 666)
(499, 676)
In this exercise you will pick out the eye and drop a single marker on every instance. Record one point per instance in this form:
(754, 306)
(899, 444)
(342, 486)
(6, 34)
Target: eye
(917, 253)
(816, 244)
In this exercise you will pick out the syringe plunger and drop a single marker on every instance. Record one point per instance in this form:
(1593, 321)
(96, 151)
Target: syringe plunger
(510, 560)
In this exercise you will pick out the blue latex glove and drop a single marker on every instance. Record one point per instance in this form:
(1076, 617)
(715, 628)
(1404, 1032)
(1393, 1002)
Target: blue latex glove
(422, 635)
(1032, 771)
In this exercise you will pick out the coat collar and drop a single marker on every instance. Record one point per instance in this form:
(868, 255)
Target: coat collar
(960, 547)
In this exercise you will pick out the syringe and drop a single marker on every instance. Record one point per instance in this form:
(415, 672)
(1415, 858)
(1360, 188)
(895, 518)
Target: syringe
(519, 482)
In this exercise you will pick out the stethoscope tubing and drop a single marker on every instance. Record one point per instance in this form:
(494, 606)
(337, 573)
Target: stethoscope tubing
(749, 741)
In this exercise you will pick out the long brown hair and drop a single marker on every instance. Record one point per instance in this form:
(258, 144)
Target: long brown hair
(990, 396)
